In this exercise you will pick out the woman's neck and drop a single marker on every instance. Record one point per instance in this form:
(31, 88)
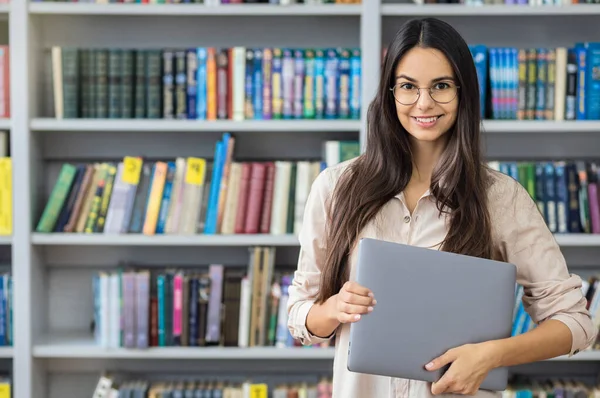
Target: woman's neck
(425, 157)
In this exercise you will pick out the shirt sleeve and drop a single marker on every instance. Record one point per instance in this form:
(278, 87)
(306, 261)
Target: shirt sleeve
(305, 284)
(549, 290)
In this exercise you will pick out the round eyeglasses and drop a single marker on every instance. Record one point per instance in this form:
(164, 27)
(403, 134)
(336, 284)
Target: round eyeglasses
(408, 94)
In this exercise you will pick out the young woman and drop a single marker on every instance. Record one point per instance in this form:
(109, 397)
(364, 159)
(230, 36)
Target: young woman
(423, 181)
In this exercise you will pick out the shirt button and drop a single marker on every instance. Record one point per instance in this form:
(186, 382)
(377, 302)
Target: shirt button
(406, 218)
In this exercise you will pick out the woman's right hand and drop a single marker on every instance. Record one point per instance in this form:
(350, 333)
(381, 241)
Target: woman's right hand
(351, 302)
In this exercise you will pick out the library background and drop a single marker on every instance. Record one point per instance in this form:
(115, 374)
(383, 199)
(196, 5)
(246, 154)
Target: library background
(155, 159)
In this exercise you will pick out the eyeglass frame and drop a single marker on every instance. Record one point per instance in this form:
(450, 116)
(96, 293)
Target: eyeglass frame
(419, 95)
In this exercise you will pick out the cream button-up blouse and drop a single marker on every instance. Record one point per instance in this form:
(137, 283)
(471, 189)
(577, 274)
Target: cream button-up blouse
(521, 237)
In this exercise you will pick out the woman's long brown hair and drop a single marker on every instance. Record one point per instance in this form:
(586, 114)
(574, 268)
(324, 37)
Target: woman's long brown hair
(385, 168)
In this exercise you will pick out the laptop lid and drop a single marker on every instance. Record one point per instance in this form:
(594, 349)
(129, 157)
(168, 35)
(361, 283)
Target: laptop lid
(428, 301)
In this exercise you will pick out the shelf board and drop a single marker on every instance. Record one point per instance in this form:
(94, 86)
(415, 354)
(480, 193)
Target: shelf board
(77, 345)
(5, 240)
(86, 125)
(433, 10)
(588, 355)
(82, 346)
(4, 8)
(193, 9)
(4, 123)
(163, 240)
(6, 352)
(578, 240)
(56, 239)
(541, 126)
(83, 125)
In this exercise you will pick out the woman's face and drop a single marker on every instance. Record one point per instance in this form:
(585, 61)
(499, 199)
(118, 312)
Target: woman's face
(423, 117)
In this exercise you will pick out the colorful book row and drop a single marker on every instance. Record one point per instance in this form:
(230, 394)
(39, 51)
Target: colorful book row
(539, 83)
(214, 305)
(207, 83)
(566, 192)
(187, 195)
(224, 387)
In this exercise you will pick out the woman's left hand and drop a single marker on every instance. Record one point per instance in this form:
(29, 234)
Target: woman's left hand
(470, 364)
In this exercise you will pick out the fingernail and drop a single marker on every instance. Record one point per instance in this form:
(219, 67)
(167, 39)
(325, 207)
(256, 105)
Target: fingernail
(357, 317)
(371, 294)
(429, 365)
(370, 309)
(374, 301)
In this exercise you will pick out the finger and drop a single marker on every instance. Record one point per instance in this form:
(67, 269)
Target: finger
(439, 387)
(355, 288)
(355, 309)
(344, 317)
(352, 298)
(442, 360)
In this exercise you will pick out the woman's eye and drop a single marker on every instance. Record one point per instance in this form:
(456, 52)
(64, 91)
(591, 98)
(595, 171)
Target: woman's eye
(406, 86)
(441, 86)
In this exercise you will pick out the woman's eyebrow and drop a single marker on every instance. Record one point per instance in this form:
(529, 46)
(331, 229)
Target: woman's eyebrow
(411, 79)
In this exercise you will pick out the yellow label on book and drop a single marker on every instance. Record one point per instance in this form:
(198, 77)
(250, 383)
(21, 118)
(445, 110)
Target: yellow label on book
(4, 390)
(258, 390)
(132, 168)
(195, 171)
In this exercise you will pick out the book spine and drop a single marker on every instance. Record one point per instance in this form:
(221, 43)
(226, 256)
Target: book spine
(213, 330)
(319, 84)
(248, 85)
(127, 84)
(580, 52)
(153, 84)
(355, 86)
(192, 84)
(211, 83)
(102, 84)
(331, 84)
(57, 198)
(592, 82)
(180, 107)
(277, 84)
(177, 308)
(287, 76)
(168, 85)
(309, 85)
(571, 95)
(542, 69)
(344, 84)
(201, 77)
(70, 64)
(141, 78)
(257, 85)
(114, 83)
(223, 83)
(298, 86)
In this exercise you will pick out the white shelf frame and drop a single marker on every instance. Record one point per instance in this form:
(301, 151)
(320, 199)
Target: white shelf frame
(292, 126)
(76, 239)
(30, 352)
(163, 240)
(126, 125)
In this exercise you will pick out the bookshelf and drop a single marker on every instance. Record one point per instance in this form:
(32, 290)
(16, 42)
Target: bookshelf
(52, 358)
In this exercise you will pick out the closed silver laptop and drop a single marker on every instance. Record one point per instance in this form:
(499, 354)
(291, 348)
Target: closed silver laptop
(428, 301)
